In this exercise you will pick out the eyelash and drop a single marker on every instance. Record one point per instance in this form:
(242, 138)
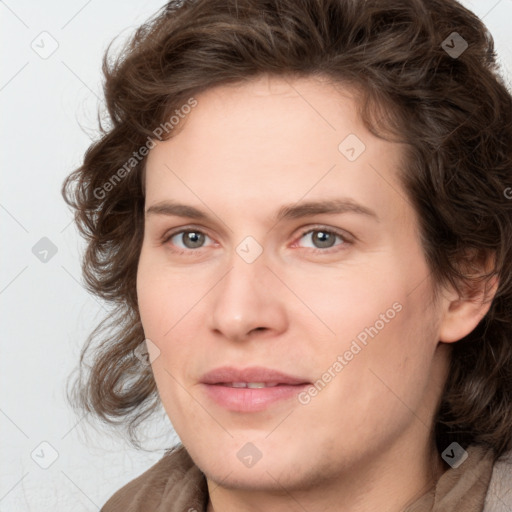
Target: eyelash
(346, 240)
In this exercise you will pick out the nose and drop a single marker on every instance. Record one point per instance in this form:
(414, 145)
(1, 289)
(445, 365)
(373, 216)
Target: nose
(248, 302)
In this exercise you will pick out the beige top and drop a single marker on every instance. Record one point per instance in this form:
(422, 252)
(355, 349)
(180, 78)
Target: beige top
(176, 484)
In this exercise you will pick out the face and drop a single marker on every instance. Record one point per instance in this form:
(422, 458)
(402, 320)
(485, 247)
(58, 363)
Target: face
(280, 251)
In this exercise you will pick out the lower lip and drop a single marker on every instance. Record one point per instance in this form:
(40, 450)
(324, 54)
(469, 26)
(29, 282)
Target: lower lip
(251, 399)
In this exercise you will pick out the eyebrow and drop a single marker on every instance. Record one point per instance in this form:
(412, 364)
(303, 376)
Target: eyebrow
(293, 211)
(333, 206)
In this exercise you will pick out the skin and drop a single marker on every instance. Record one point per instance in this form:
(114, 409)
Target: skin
(364, 442)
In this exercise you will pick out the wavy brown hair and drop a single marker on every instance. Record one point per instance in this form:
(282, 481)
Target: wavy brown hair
(454, 113)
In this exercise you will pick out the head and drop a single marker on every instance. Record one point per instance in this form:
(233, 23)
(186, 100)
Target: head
(315, 188)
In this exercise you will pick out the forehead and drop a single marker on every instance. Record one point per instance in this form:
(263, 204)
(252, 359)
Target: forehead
(277, 138)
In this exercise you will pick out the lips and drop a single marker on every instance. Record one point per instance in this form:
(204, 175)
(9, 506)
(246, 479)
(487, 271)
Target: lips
(256, 374)
(250, 389)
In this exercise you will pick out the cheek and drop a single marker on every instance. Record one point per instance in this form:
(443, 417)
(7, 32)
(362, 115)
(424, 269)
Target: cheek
(351, 302)
(170, 302)
(165, 295)
(379, 384)
(391, 372)
(383, 330)
(162, 302)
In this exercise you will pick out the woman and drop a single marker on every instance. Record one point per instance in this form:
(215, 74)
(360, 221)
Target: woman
(300, 213)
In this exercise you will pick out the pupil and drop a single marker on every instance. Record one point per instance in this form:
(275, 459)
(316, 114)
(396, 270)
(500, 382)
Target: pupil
(192, 239)
(323, 239)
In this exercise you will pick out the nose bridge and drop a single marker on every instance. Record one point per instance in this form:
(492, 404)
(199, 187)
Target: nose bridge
(240, 284)
(247, 298)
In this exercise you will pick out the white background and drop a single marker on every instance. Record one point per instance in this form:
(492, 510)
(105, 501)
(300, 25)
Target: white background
(48, 114)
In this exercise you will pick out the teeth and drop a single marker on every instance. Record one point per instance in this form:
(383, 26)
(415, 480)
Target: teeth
(252, 385)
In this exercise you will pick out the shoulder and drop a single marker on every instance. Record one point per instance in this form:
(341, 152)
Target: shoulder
(174, 483)
(499, 493)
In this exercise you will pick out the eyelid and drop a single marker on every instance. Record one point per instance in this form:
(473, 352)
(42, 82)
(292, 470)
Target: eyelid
(345, 235)
(183, 229)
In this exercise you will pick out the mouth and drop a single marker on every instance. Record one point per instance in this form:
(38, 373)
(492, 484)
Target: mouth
(252, 385)
(251, 389)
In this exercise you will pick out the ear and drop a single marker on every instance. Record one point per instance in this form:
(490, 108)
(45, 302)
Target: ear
(463, 314)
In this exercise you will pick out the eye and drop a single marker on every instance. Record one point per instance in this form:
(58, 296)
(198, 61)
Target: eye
(188, 239)
(322, 238)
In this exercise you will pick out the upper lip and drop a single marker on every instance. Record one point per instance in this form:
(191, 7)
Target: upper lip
(228, 374)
